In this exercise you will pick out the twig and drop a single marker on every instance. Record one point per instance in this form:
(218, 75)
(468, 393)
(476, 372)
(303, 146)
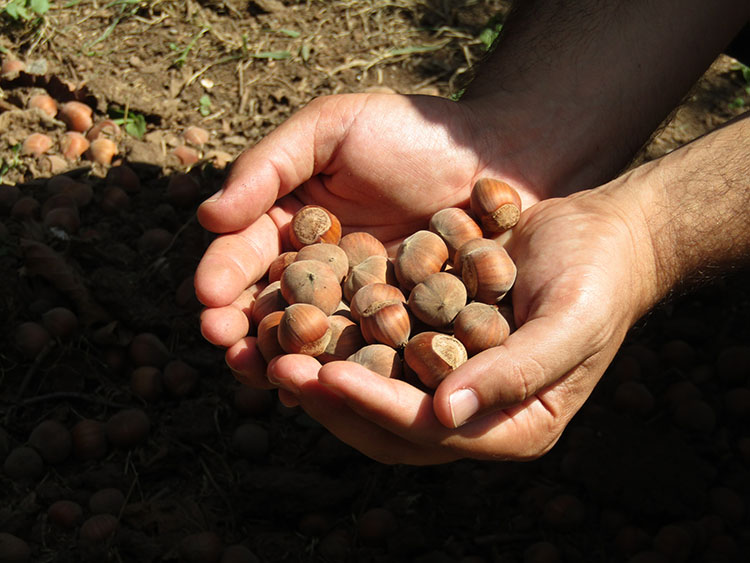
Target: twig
(72, 395)
(33, 368)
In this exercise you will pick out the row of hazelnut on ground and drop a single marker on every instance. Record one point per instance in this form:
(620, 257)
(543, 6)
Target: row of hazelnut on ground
(417, 316)
(94, 140)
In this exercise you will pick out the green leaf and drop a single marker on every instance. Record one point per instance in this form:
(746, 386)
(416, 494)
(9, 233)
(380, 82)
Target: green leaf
(290, 32)
(205, 105)
(304, 52)
(40, 7)
(17, 10)
(136, 125)
(276, 55)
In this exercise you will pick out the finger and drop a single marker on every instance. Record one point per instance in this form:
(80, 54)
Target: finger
(247, 364)
(223, 326)
(522, 432)
(280, 162)
(539, 353)
(233, 262)
(298, 374)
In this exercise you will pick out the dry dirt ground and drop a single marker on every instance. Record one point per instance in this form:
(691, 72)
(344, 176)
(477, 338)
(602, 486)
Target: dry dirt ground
(656, 467)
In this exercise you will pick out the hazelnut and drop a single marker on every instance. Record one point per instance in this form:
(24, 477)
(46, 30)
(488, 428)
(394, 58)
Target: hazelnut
(128, 428)
(313, 282)
(379, 358)
(52, 440)
(36, 144)
(480, 326)
(102, 151)
(375, 269)
(195, 135)
(105, 128)
(98, 528)
(279, 264)
(346, 339)
(386, 322)
(65, 514)
(437, 300)
(327, 253)
(267, 340)
(418, 256)
(466, 248)
(268, 301)
(360, 245)
(304, 329)
(73, 144)
(373, 293)
(488, 273)
(44, 102)
(433, 355)
(313, 223)
(455, 227)
(77, 116)
(89, 439)
(496, 204)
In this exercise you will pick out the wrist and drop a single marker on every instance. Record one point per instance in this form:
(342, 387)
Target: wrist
(690, 209)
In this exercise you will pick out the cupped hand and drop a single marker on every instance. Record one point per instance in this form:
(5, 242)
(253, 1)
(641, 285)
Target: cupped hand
(382, 163)
(585, 274)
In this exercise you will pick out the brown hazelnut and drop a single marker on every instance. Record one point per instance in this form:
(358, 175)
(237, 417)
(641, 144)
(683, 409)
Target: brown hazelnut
(313, 223)
(313, 282)
(375, 269)
(105, 128)
(268, 301)
(267, 340)
(195, 135)
(98, 528)
(128, 428)
(386, 322)
(65, 513)
(467, 247)
(89, 439)
(77, 116)
(418, 256)
(73, 144)
(455, 227)
(327, 253)
(304, 329)
(52, 440)
(379, 358)
(437, 300)
(346, 338)
(496, 204)
(180, 378)
(433, 355)
(360, 245)
(44, 102)
(480, 326)
(373, 293)
(279, 264)
(36, 144)
(488, 273)
(102, 151)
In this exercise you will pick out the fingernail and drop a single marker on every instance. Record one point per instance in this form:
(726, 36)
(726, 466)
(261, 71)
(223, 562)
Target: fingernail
(215, 197)
(463, 404)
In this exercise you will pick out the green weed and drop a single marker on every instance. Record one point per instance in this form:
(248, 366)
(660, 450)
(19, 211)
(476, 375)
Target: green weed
(25, 10)
(133, 123)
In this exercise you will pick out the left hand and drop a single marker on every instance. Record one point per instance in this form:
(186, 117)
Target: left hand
(586, 273)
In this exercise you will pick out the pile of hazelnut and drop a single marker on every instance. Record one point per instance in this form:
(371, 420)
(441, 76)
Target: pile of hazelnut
(417, 316)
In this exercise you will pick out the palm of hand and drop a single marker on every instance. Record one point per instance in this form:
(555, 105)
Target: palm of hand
(577, 293)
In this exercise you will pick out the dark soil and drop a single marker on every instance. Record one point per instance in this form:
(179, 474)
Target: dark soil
(658, 460)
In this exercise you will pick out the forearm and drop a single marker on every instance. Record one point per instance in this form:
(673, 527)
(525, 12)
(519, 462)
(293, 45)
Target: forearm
(696, 208)
(578, 87)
